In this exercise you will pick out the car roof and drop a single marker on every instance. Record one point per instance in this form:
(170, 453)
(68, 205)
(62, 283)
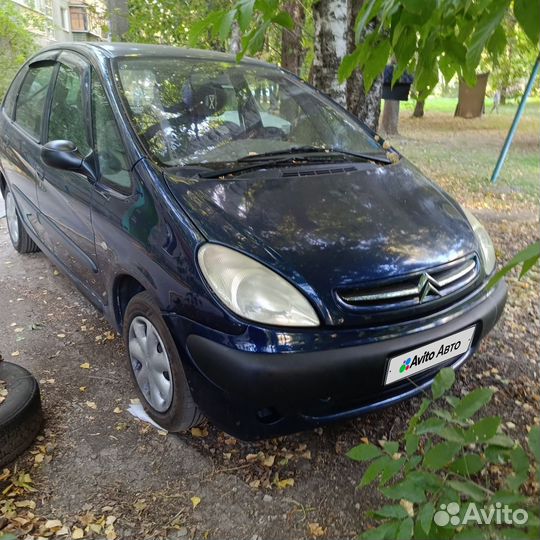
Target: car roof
(121, 49)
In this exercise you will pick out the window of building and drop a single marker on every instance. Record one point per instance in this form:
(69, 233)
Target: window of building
(78, 18)
(65, 19)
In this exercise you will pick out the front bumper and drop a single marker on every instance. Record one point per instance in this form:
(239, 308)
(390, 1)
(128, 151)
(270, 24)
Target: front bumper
(252, 394)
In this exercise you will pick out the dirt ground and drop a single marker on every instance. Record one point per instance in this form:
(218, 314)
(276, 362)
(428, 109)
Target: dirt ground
(98, 469)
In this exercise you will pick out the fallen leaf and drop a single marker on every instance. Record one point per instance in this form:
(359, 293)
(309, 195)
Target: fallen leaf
(195, 501)
(91, 405)
(408, 506)
(269, 461)
(53, 524)
(117, 410)
(288, 482)
(315, 530)
(77, 533)
(85, 365)
(198, 432)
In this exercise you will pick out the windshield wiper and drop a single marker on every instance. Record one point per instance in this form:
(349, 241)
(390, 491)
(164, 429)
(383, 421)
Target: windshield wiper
(319, 150)
(261, 165)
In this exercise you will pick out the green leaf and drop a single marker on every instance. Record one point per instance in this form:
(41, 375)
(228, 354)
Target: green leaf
(534, 442)
(375, 468)
(391, 511)
(483, 430)
(382, 532)
(529, 255)
(520, 465)
(364, 452)
(283, 19)
(527, 13)
(443, 382)
(468, 488)
(390, 447)
(425, 516)
(367, 13)
(497, 42)
(471, 533)
(508, 497)
(431, 425)
(245, 14)
(426, 480)
(405, 530)
(411, 443)
(376, 63)
(224, 28)
(487, 24)
(473, 402)
(467, 465)
(392, 469)
(501, 440)
(407, 489)
(440, 455)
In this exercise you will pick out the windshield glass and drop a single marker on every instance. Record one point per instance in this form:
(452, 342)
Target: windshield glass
(188, 111)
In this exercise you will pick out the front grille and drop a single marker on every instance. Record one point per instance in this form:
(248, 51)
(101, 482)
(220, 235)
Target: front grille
(438, 286)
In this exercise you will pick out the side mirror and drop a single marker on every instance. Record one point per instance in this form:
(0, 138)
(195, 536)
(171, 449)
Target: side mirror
(65, 155)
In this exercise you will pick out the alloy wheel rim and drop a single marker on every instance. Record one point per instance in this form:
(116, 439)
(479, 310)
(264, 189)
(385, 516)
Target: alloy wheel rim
(150, 363)
(12, 219)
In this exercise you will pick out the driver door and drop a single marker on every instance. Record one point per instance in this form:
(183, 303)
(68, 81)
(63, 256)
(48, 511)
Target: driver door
(64, 197)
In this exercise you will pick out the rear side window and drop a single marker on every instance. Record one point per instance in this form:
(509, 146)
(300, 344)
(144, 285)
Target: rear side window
(31, 100)
(11, 95)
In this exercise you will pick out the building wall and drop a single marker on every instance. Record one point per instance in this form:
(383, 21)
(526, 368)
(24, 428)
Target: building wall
(55, 17)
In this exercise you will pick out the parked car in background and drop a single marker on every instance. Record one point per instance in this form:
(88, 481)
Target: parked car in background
(268, 264)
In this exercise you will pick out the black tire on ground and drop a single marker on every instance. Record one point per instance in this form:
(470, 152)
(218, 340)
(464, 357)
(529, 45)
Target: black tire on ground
(21, 416)
(183, 412)
(23, 243)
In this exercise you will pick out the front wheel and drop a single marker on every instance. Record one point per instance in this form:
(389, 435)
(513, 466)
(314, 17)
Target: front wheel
(17, 233)
(156, 367)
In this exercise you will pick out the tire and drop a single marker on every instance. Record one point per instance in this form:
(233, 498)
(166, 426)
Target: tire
(17, 232)
(156, 367)
(21, 416)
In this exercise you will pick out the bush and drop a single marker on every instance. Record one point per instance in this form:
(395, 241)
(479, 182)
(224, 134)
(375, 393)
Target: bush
(453, 473)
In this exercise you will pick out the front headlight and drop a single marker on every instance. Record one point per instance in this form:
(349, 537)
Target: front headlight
(253, 291)
(486, 245)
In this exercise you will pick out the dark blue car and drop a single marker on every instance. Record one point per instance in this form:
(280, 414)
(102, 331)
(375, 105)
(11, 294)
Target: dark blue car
(270, 263)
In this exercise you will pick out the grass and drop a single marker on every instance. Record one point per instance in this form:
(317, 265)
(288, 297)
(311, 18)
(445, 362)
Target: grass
(460, 154)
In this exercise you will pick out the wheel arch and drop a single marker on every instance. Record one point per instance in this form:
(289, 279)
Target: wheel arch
(125, 287)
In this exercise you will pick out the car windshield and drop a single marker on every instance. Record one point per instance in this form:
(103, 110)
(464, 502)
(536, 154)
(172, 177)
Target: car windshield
(193, 111)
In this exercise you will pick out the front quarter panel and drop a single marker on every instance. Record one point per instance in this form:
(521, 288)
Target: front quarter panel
(146, 236)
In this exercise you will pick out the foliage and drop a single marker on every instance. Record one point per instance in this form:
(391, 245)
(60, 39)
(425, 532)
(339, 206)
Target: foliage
(168, 22)
(16, 43)
(450, 454)
(527, 257)
(255, 19)
(509, 70)
(428, 36)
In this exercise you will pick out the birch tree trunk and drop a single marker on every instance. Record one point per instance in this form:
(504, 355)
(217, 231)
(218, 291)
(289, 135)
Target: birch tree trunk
(292, 52)
(330, 19)
(367, 107)
(235, 45)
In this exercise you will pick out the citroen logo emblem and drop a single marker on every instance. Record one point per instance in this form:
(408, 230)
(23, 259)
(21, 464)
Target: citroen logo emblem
(426, 287)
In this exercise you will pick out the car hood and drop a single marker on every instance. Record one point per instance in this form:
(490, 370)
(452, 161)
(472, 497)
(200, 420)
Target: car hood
(331, 230)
